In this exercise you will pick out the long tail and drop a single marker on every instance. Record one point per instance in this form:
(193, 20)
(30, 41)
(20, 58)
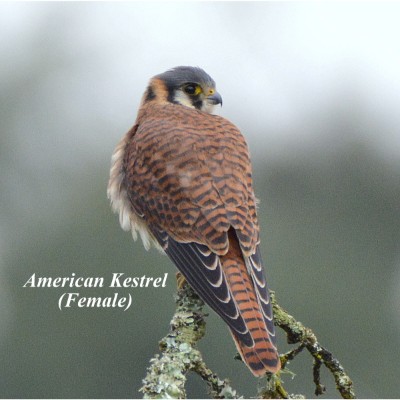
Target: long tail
(261, 355)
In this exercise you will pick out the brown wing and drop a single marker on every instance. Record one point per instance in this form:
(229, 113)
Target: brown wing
(188, 174)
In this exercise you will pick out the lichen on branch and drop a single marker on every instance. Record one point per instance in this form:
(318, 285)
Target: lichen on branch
(166, 375)
(297, 333)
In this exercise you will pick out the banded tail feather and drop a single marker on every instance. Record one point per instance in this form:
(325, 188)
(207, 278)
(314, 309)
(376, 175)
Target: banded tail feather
(261, 355)
(225, 284)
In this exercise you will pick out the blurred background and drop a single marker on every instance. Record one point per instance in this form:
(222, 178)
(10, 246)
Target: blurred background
(314, 87)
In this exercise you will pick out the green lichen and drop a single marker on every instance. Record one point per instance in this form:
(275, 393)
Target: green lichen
(166, 375)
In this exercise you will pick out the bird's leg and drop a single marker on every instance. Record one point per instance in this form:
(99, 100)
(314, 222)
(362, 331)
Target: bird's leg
(180, 280)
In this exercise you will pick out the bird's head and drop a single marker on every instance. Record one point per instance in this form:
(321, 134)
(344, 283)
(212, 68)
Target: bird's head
(189, 86)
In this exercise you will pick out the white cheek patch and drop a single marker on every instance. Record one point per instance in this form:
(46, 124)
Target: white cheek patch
(207, 107)
(184, 99)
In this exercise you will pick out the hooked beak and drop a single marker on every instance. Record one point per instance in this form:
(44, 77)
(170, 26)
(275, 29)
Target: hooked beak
(215, 99)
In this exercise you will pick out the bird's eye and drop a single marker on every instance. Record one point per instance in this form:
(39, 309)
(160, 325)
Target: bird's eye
(192, 89)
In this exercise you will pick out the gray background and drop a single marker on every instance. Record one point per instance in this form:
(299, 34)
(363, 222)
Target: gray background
(315, 88)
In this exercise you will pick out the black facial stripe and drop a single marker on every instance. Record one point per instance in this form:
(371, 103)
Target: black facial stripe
(171, 93)
(150, 95)
(197, 103)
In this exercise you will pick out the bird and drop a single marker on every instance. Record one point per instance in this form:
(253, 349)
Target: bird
(181, 178)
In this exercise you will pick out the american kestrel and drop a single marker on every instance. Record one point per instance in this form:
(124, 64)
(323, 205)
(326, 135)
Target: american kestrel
(181, 178)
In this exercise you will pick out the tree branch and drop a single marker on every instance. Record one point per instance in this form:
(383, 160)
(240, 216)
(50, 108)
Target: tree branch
(166, 375)
(297, 333)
